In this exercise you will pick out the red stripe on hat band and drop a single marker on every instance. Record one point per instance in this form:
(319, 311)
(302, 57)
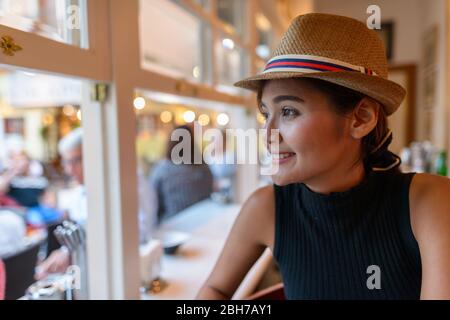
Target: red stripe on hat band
(304, 64)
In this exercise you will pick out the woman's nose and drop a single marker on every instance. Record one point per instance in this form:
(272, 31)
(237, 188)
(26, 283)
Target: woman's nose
(273, 136)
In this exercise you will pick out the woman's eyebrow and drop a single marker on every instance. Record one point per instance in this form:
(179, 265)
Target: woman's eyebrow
(279, 99)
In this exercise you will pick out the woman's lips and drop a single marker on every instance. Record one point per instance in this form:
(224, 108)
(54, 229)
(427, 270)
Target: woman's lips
(282, 157)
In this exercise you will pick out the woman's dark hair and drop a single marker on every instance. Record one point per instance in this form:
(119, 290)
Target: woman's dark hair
(194, 150)
(375, 145)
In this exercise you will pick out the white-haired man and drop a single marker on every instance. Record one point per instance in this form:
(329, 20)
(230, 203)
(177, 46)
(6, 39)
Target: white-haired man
(73, 203)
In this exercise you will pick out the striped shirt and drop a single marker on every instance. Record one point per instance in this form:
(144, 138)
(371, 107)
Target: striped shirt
(179, 186)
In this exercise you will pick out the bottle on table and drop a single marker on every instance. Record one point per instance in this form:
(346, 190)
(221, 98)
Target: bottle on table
(441, 164)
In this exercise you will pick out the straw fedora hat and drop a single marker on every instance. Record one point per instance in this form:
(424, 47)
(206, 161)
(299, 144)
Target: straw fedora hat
(333, 48)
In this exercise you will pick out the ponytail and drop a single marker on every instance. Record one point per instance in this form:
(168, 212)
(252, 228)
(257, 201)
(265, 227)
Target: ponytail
(380, 158)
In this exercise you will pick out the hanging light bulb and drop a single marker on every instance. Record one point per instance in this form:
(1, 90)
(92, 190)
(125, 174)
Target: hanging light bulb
(139, 103)
(223, 119)
(189, 116)
(203, 119)
(166, 116)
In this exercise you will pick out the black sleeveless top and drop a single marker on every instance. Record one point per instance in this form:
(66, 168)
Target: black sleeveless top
(356, 244)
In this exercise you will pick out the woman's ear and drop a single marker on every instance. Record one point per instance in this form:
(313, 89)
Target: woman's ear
(364, 117)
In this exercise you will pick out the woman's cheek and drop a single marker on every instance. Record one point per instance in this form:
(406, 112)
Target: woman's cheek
(297, 135)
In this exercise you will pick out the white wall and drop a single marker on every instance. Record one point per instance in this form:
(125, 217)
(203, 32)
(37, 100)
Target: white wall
(169, 35)
(432, 13)
(405, 13)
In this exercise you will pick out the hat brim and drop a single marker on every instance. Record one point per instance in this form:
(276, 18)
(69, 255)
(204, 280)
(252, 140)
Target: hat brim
(387, 92)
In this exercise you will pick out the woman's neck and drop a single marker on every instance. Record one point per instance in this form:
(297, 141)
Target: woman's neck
(338, 179)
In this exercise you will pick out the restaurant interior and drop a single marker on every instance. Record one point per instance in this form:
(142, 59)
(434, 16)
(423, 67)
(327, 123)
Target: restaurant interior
(121, 76)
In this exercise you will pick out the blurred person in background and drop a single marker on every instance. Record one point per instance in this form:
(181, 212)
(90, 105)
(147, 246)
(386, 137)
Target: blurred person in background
(23, 181)
(72, 201)
(12, 233)
(178, 186)
(222, 162)
(147, 212)
(7, 202)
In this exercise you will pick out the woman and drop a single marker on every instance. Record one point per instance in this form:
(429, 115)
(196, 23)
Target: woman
(341, 220)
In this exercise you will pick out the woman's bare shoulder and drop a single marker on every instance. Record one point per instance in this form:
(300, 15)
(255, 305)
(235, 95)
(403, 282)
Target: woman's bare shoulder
(429, 199)
(430, 220)
(426, 187)
(247, 240)
(262, 197)
(259, 211)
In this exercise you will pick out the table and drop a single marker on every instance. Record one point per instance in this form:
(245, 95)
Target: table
(208, 223)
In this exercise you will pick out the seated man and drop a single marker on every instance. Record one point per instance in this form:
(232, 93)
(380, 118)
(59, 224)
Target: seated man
(75, 205)
(22, 182)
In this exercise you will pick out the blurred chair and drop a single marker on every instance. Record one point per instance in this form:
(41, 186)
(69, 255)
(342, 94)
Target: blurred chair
(19, 269)
(248, 289)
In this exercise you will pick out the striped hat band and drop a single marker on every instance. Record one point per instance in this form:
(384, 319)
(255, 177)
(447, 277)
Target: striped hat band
(310, 64)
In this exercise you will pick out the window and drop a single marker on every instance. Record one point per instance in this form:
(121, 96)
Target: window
(233, 13)
(174, 41)
(36, 111)
(232, 63)
(60, 20)
(265, 37)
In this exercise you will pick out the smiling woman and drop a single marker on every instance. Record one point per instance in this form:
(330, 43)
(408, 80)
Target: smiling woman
(339, 207)
(324, 108)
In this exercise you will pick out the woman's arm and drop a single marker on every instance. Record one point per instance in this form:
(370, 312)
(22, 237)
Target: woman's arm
(251, 234)
(430, 220)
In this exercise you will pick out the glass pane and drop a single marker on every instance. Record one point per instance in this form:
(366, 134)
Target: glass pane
(174, 41)
(232, 62)
(233, 12)
(181, 199)
(265, 37)
(42, 183)
(158, 115)
(60, 20)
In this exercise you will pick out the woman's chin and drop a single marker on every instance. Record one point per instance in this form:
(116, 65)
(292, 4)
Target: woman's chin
(285, 176)
(282, 179)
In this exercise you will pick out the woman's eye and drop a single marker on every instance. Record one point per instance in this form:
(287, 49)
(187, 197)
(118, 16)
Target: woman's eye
(289, 112)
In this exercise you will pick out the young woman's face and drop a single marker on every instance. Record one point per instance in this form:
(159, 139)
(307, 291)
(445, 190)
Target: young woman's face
(313, 139)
